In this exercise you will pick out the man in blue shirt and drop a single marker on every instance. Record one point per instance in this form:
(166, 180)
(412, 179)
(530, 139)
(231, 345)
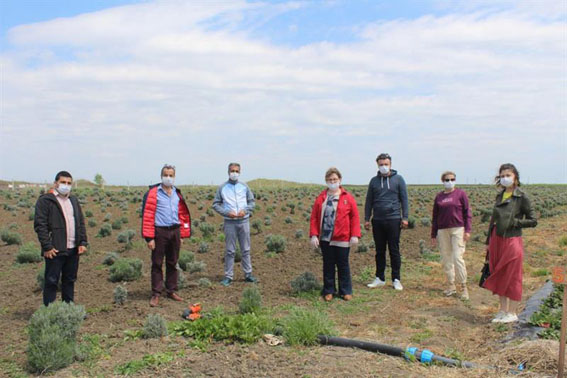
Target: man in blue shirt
(165, 220)
(235, 202)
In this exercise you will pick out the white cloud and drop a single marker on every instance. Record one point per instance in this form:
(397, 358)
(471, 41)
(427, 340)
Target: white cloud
(174, 81)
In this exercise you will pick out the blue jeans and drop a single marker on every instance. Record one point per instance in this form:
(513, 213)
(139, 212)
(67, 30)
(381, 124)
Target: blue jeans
(334, 256)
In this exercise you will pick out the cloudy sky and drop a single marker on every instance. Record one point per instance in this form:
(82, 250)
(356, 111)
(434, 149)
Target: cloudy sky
(287, 88)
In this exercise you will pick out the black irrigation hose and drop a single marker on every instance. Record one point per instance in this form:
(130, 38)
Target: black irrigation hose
(423, 355)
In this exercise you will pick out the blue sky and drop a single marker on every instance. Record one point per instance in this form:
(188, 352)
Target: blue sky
(287, 88)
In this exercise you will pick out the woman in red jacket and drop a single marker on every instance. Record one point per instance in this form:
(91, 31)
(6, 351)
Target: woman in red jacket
(335, 226)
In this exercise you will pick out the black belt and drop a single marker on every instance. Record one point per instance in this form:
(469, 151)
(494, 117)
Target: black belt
(174, 227)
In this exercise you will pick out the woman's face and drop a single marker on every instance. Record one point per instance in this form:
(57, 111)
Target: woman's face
(332, 179)
(507, 173)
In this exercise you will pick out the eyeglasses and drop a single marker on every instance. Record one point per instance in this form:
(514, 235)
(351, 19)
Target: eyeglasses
(447, 180)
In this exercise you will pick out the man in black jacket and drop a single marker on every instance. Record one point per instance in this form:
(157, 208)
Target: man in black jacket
(60, 228)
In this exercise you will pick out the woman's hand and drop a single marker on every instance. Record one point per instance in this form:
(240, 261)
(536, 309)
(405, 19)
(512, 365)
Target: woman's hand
(433, 242)
(314, 241)
(353, 240)
(467, 236)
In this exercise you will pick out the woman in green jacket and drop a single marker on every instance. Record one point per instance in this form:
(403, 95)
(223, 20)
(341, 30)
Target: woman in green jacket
(512, 212)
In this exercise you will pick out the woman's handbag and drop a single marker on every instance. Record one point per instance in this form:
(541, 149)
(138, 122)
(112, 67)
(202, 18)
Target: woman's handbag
(485, 272)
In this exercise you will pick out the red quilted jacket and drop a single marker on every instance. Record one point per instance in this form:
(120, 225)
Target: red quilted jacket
(149, 213)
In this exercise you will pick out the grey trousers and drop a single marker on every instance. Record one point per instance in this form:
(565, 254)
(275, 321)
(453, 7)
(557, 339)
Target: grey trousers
(237, 231)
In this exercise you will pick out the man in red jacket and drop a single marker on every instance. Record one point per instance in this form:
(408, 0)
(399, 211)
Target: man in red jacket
(165, 221)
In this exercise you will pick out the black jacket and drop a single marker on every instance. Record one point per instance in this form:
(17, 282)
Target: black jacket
(49, 223)
(510, 216)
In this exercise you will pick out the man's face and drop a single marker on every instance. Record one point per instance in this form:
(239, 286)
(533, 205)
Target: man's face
(64, 180)
(384, 162)
(168, 173)
(234, 169)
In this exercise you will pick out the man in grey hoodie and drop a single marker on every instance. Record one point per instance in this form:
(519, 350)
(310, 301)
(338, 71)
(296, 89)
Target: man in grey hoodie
(387, 205)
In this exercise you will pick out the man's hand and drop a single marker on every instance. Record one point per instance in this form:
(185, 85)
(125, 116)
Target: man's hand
(405, 224)
(241, 213)
(152, 245)
(51, 253)
(315, 241)
(433, 242)
(82, 249)
(232, 214)
(367, 225)
(181, 241)
(467, 236)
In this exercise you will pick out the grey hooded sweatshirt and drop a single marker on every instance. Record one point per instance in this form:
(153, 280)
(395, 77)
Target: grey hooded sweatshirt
(387, 198)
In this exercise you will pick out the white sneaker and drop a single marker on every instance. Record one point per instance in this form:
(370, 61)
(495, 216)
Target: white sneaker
(450, 291)
(498, 317)
(509, 318)
(377, 282)
(398, 285)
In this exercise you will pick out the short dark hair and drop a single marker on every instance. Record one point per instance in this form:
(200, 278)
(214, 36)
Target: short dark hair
(62, 174)
(511, 167)
(383, 156)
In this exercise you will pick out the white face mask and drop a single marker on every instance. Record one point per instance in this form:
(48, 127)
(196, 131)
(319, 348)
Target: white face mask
(234, 176)
(167, 181)
(507, 181)
(333, 185)
(449, 184)
(384, 169)
(63, 189)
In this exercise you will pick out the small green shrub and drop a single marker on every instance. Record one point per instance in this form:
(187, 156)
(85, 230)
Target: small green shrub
(298, 234)
(181, 279)
(251, 301)
(154, 327)
(425, 221)
(411, 222)
(117, 225)
(302, 326)
(110, 258)
(185, 257)
(257, 226)
(275, 243)
(207, 229)
(120, 295)
(305, 282)
(362, 247)
(105, 230)
(288, 220)
(125, 237)
(29, 253)
(92, 223)
(129, 269)
(88, 213)
(203, 247)
(205, 282)
(11, 237)
(196, 266)
(53, 336)
(563, 241)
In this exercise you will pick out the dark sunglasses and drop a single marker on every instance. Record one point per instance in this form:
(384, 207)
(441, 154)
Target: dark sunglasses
(447, 180)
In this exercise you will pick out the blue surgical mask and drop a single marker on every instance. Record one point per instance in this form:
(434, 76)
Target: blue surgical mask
(63, 189)
(167, 181)
(384, 169)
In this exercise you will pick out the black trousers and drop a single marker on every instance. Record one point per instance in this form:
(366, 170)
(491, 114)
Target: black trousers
(334, 256)
(387, 233)
(63, 266)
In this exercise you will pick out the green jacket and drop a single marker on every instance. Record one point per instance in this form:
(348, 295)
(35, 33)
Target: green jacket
(510, 216)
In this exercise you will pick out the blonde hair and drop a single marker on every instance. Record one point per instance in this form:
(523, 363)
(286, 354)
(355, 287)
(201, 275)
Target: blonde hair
(446, 173)
(332, 171)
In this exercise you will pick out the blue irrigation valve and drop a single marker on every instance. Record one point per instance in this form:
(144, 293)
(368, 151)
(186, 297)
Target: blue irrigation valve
(426, 356)
(410, 352)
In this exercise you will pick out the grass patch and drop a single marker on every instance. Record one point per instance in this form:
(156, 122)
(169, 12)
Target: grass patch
(421, 336)
(302, 326)
(149, 360)
(540, 273)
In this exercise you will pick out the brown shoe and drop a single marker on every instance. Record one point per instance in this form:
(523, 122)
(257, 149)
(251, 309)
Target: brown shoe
(347, 297)
(328, 297)
(154, 302)
(175, 297)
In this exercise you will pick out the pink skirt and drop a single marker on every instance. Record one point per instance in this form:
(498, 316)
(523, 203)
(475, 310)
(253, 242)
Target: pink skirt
(506, 256)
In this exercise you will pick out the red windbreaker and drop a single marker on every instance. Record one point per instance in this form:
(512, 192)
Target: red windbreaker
(347, 220)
